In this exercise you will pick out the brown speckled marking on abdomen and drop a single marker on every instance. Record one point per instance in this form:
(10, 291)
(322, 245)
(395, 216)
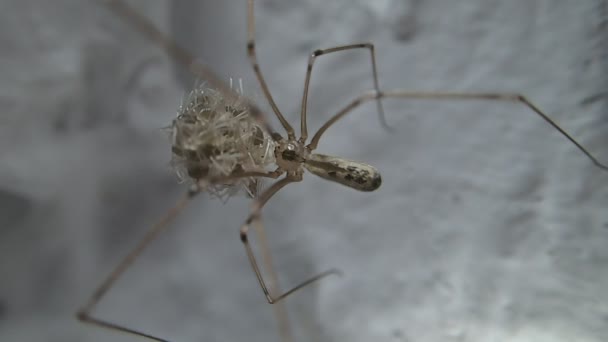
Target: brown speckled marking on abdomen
(356, 175)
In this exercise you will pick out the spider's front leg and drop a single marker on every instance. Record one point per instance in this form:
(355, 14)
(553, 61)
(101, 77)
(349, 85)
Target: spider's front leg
(255, 219)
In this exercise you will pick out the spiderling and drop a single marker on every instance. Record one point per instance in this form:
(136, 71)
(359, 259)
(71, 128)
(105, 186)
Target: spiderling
(213, 136)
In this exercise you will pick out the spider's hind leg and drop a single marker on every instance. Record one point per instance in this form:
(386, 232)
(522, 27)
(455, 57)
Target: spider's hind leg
(84, 314)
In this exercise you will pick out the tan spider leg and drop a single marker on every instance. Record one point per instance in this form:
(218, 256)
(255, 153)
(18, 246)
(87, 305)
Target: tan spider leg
(84, 314)
(311, 60)
(255, 219)
(183, 57)
(258, 73)
(450, 96)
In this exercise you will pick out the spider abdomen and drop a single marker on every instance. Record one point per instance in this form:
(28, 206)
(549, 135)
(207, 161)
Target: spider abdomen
(356, 175)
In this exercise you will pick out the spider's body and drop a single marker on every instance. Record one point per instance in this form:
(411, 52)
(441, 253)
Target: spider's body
(213, 138)
(293, 157)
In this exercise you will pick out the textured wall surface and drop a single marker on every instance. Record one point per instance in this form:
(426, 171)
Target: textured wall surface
(489, 225)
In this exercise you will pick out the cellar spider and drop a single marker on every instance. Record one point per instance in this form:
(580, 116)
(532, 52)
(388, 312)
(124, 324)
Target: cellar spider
(291, 154)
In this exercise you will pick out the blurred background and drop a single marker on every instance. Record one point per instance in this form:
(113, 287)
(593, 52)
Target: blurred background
(489, 225)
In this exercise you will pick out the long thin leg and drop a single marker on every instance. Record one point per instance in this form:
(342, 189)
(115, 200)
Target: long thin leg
(84, 314)
(258, 73)
(255, 219)
(593, 98)
(311, 60)
(280, 309)
(183, 57)
(450, 96)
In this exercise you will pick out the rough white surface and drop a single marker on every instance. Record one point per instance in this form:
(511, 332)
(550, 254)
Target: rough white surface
(489, 226)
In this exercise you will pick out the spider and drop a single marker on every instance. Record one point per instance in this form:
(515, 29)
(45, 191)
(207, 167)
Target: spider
(292, 155)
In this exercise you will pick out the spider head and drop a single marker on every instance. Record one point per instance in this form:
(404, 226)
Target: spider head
(290, 154)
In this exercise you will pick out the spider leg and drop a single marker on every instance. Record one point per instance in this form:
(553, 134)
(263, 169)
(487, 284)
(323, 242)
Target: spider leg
(258, 73)
(311, 60)
(182, 56)
(255, 219)
(593, 98)
(171, 48)
(84, 314)
(504, 97)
